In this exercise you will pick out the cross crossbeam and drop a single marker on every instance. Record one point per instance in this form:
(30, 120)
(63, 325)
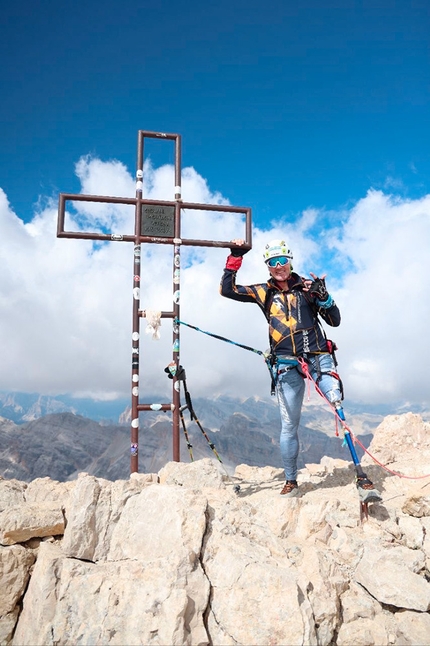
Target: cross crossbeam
(159, 222)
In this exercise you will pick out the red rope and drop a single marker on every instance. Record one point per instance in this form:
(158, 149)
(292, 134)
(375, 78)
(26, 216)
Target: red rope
(305, 368)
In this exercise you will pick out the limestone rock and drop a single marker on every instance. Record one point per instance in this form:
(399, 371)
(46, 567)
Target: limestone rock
(47, 490)
(161, 522)
(19, 523)
(412, 628)
(94, 506)
(7, 625)
(182, 558)
(127, 602)
(11, 493)
(15, 563)
(389, 576)
(398, 439)
(418, 505)
(250, 583)
(198, 474)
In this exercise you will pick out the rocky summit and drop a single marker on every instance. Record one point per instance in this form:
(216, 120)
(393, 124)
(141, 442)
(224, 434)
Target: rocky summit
(183, 556)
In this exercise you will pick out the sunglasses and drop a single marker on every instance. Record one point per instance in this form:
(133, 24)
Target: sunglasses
(280, 260)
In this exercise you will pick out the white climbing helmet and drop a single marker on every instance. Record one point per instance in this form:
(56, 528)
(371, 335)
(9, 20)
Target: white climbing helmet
(276, 248)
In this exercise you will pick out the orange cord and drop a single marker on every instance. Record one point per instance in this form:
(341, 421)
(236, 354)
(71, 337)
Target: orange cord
(305, 369)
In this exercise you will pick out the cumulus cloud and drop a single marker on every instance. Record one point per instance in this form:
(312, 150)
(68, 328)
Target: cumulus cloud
(385, 299)
(66, 305)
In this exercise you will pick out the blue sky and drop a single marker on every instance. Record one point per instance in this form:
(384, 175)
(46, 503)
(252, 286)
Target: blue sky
(281, 105)
(314, 114)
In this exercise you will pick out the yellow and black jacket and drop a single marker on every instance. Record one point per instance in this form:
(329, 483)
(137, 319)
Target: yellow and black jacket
(292, 315)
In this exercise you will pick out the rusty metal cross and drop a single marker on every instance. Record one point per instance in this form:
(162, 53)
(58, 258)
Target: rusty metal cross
(156, 222)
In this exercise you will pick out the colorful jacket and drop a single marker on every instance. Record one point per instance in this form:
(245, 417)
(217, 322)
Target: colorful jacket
(294, 329)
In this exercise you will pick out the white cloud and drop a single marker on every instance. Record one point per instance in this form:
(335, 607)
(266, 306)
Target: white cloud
(385, 299)
(66, 305)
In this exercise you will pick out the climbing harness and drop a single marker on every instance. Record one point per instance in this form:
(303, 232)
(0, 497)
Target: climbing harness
(331, 345)
(171, 371)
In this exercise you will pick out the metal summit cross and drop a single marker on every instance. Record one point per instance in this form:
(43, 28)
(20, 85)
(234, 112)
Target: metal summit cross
(156, 222)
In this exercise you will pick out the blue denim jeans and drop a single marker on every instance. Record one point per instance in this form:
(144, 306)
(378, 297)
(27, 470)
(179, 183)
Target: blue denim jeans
(290, 389)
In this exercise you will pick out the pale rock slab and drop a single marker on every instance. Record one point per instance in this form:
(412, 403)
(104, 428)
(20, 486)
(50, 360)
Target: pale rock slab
(196, 475)
(364, 632)
(413, 532)
(111, 502)
(161, 522)
(12, 492)
(346, 544)
(7, 626)
(156, 597)
(316, 513)
(413, 629)
(314, 469)
(34, 625)
(258, 474)
(15, 564)
(255, 596)
(358, 604)
(129, 603)
(80, 536)
(15, 567)
(47, 490)
(389, 576)
(330, 464)
(324, 581)
(418, 505)
(396, 442)
(94, 507)
(19, 523)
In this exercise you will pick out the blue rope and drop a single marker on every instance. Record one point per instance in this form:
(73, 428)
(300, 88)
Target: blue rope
(221, 338)
(239, 345)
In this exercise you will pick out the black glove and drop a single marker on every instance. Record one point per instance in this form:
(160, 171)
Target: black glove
(319, 290)
(237, 252)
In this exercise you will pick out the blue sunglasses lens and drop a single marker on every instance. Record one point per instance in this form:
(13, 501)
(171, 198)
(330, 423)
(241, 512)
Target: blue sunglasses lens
(281, 260)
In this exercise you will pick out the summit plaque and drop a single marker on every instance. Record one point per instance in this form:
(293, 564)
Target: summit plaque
(158, 221)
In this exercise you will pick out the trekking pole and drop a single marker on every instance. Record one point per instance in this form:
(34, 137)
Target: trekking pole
(184, 428)
(189, 405)
(366, 491)
(193, 416)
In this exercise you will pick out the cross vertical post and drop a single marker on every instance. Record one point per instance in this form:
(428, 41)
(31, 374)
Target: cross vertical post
(165, 231)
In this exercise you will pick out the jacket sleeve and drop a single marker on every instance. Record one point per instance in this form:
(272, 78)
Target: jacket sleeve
(330, 315)
(229, 289)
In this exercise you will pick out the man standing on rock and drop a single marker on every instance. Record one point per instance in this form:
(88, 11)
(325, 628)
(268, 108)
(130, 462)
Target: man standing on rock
(292, 305)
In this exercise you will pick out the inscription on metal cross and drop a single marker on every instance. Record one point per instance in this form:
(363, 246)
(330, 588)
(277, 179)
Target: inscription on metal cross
(155, 222)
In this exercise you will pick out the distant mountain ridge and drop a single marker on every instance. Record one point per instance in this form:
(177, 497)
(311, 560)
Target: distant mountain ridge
(26, 407)
(61, 436)
(61, 445)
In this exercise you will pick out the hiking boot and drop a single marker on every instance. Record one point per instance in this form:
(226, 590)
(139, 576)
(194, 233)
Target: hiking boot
(290, 489)
(366, 490)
